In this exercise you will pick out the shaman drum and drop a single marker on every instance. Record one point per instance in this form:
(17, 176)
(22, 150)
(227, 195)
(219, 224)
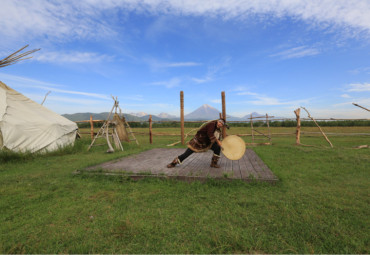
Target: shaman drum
(233, 147)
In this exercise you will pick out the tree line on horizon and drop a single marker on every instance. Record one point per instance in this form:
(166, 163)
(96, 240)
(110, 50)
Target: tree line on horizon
(284, 123)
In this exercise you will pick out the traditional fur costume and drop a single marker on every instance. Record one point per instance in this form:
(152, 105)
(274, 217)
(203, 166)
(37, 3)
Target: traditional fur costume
(205, 137)
(203, 140)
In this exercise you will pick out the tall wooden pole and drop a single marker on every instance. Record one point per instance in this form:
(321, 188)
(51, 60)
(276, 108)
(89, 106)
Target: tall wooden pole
(251, 118)
(223, 112)
(150, 130)
(268, 127)
(298, 131)
(182, 117)
(91, 127)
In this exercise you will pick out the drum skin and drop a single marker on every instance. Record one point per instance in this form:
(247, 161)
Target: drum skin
(233, 147)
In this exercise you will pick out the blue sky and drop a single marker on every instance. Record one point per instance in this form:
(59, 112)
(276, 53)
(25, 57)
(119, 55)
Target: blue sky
(268, 56)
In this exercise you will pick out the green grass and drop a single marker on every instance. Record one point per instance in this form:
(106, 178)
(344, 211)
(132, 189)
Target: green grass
(320, 204)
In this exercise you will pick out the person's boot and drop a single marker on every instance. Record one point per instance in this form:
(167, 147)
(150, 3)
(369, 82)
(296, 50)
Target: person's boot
(214, 161)
(174, 163)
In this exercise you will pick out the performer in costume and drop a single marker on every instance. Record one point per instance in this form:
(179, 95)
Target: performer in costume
(207, 137)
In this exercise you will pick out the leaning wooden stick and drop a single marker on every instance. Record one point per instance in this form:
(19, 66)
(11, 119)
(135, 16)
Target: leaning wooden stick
(322, 132)
(14, 58)
(45, 97)
(361, 107)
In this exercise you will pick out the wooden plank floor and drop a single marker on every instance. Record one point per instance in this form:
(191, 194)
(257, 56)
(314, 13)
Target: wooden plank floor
(196, 167)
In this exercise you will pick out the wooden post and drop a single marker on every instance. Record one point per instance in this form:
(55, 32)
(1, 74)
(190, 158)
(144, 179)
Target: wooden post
(268, 127)
(91, 127)
(182, 117)
(251, 118)
(298, 131)
(150, 130)
(223, 112)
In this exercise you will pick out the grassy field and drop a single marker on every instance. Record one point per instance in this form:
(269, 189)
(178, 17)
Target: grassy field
(320, 204)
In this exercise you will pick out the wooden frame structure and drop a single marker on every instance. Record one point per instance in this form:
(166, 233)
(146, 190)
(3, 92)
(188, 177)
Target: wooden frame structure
(108, 124)
(253, 129)
(298, 130)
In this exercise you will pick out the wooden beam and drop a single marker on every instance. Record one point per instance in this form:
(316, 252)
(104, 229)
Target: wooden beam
(150, 130)
(91, 127)
(322, 132)
(298, 131)
(223, 112)
(182, 117)
(361, 107)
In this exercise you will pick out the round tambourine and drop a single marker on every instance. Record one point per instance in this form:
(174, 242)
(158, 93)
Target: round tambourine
(233, 147)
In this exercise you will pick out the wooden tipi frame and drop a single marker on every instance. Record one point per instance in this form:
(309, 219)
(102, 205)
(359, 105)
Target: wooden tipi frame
(104, 131)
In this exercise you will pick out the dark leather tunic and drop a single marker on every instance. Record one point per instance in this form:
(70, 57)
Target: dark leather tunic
(204, 138)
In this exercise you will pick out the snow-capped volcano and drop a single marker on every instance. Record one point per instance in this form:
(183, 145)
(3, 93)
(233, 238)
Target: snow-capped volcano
(205, 112)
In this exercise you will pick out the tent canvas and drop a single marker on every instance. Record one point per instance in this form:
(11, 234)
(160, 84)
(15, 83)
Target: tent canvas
(28, 126)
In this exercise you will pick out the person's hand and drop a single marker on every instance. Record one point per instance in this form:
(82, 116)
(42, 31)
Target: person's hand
(219, 143)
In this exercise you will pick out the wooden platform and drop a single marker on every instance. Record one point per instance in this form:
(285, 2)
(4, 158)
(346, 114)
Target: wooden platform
(153, 163)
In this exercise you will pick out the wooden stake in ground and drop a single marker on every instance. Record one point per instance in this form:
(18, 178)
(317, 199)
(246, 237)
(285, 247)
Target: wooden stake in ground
(252, 129)
(182, 117)
(223, 112)
(150, 130)
(322, 132)
(298, 131)
(268, 127)
(91, 127)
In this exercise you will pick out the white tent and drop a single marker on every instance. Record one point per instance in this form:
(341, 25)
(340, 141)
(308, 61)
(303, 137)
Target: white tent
(28, 126)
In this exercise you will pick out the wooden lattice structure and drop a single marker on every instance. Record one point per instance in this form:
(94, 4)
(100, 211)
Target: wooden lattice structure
(115, 129)
(264, 138)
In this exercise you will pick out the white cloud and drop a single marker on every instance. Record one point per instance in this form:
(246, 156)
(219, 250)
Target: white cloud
(205, 79)
(54, 20)
(18, 81)
(75, 92)
(70, 20)
(26, 82)
(181, 64)
(174, 82)
(156, 64)
(260, 99)
(51, 99)
(297, 52)
(358, 87)
(132, 98)
(346, 96)
(213, 71)
(360, 70)
(246, 93)
(71, 57)
(336, 112)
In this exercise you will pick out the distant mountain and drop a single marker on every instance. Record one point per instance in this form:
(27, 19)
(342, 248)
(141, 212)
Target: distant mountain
(164, 115)
(98, 116)
(205, 112)
(139, 114)
(154, 118)
(253, 114)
